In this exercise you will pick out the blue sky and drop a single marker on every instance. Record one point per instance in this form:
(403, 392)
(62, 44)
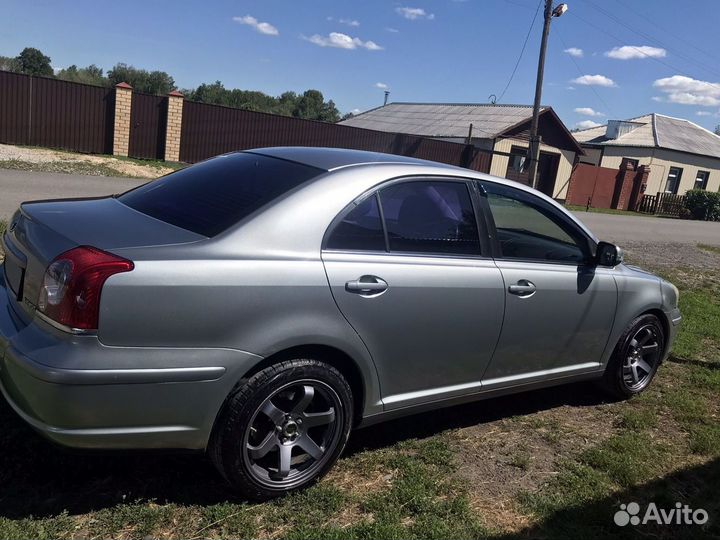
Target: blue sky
(606, 59)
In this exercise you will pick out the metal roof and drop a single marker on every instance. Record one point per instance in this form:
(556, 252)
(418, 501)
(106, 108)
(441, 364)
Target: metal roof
(443, 119)
(658, 131)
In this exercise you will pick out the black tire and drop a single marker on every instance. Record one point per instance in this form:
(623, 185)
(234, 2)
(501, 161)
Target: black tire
(636, 358)
(270, 420)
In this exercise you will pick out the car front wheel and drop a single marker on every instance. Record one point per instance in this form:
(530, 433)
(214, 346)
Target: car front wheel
(283, 428)
(636, 357)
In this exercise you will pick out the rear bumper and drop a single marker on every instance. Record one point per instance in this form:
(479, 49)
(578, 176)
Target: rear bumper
(80, 393)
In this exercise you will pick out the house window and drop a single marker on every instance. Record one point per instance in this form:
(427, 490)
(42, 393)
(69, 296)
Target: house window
(701, 180)
(673, 180)
(518, 158)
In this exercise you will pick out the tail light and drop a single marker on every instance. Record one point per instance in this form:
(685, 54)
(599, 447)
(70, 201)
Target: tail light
(70, 293)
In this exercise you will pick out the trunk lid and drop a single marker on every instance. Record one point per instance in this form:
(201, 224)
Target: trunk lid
(40, 231)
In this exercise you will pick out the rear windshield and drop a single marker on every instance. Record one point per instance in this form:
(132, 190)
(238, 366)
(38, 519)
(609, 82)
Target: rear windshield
(211, 196)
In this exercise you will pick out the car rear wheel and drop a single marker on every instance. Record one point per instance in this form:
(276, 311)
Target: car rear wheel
(636, 357)
(283, 428)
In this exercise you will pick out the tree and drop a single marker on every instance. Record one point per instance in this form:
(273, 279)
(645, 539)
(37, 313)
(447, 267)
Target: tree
(717, 129)
(8, 64)
(88, 75)
(149, 82)
(31, 61)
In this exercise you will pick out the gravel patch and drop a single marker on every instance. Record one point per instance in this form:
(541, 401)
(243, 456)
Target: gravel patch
(670, 256)
(43, 159)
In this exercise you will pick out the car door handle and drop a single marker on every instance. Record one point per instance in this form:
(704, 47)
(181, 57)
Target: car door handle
(523, 288)
(367, 285)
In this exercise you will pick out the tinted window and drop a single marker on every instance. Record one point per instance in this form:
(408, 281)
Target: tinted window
(211, 196)
(361, 229)
(527, 228)
(430, 217)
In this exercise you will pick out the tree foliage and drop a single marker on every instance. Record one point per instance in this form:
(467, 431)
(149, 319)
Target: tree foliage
(33, 62)
(310, 104)
(149, 82)
(88, 75)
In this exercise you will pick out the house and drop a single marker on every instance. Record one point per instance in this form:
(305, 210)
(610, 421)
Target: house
(502, 130)
(680, 154)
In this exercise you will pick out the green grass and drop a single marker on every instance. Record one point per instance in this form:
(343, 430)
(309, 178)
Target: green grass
(711, 249)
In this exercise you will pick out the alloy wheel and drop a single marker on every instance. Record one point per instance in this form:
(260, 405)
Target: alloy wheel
(292, 433)
(642, 357)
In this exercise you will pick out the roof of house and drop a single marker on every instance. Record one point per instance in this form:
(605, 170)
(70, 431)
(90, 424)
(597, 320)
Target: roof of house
(443, 119)
(658, 131)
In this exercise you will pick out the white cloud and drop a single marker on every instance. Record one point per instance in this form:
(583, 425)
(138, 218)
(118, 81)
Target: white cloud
(356, 111)
(414, 13)
(381, 85)
(594, 80)
(574, 51)
(349, 22)
(392, 30)
(688, 91)
(587, 111)
(342, 41)
(704, 113)
(586, 124)
(262, 27)
(629, 52)
(659, 99)
(569, 88)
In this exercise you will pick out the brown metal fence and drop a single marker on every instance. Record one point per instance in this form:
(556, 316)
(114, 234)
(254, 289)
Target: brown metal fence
(662, 204)
(148, 123)
(14, 108)
(209, 130)
(47, 112)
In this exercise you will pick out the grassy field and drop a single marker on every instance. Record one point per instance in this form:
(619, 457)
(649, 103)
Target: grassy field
(555, 463)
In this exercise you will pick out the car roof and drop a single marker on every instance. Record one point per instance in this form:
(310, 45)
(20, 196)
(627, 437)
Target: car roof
(334, 158)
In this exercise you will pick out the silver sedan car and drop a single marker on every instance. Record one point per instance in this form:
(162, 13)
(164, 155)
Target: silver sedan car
(261, 304)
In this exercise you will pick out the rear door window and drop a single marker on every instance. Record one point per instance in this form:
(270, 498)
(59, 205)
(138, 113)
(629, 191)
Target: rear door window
(214, 195)
(430, 217)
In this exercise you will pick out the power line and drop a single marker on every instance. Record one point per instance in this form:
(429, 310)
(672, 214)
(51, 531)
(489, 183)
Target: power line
(580, 73)
(522, 51)
(676, 36)
(640, 51)
(635, 30)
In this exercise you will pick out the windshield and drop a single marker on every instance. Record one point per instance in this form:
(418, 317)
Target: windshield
(210, 197)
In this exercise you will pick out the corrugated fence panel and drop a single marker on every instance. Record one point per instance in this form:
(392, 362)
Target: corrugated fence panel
(148, 124)
(209, 130)
(14, 108)
(72, 116)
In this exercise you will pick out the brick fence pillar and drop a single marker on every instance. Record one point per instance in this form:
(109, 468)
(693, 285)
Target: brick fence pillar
(174, 126)
(626, 177)
(121, 132)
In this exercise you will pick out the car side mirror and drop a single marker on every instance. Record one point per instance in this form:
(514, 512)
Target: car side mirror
(608, 254)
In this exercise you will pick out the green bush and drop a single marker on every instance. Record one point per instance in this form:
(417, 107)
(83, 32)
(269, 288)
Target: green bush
(704, 205)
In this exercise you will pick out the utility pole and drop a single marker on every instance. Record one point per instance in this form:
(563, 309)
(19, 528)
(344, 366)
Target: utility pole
(534, 147)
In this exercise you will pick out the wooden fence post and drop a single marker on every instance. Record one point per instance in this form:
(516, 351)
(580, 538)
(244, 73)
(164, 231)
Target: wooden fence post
(121, 130)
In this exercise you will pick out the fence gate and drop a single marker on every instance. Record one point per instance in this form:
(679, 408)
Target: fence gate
(148, 123)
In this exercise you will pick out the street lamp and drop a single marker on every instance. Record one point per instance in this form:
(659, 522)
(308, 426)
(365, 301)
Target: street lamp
(534, 147)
